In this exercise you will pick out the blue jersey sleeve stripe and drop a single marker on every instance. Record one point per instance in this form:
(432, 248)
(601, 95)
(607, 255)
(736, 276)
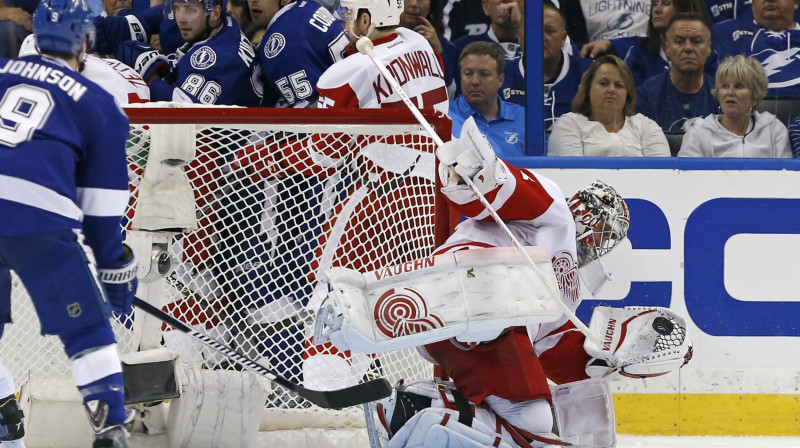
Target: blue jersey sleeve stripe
(34, 195)
(102, 201)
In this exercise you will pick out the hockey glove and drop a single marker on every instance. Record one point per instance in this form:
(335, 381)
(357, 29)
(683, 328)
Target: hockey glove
(120, 282)
(110, 32)
(469, 157)
(143, 58)
(257, 162)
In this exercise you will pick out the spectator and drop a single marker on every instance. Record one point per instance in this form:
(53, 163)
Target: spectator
(506, 21)
(602, 121)
(464, 17)
(425, 17)
(513, 89)
(240, 11)
(302, 40)
(794, 136)
(212, 67)
(722, 10)
(113, 7)
(645, 56)
(15, 25)
(592, 20)
(772, 37)
(740, 130)
(684, 91)
(561, 70)
(503, 123)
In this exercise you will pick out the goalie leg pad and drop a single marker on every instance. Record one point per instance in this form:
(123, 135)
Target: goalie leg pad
(439, 427)
(471, 295)
(216, 408)
(585, 413)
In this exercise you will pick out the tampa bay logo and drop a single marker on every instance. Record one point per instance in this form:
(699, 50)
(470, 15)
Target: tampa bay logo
(403, 312)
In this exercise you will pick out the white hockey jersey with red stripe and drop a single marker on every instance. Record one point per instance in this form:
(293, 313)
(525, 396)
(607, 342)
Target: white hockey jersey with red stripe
(355, 82)
(535, 210)
(116, 78)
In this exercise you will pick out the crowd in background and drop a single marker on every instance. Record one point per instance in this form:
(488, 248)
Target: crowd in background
(621, 78)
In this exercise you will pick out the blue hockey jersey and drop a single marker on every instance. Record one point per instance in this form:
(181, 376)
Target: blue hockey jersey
(659, 100)
(645, 64)
(303, 39)
(513, 88)
(218, 70)
(558, 94)
(778, 52)
(722, 10)
(62, 155)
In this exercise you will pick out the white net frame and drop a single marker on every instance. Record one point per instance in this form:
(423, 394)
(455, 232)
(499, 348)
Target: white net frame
(215, 263)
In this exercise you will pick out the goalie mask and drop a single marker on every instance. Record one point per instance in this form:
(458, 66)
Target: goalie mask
(601, 220)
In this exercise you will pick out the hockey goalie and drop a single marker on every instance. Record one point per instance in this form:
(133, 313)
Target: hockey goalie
(495, 327)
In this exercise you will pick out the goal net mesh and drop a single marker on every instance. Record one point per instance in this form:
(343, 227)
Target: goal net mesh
(272, 211)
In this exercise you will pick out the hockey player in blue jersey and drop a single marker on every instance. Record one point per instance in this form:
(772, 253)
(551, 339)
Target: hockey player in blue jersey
(216, 65)
(63, 190)
(303, 39)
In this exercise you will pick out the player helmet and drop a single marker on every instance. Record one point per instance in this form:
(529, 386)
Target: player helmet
(208, 6)
(601, 220)
(382, 12)
(61, 25)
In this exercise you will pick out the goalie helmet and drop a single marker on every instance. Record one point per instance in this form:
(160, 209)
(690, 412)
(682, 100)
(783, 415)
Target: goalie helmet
(61, 25)
(601, 220)
(382, 12)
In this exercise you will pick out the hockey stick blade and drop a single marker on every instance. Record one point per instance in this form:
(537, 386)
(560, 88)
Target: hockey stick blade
(331, 399)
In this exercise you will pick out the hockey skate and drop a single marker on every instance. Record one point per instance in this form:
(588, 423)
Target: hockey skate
(107, 435)
(12, 428)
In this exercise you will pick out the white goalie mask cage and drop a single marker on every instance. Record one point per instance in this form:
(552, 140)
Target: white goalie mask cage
(601, 220)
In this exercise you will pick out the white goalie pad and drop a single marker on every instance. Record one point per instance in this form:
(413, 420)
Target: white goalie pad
(165, 198)
(469, 295)
(637, 342)
(585, 413)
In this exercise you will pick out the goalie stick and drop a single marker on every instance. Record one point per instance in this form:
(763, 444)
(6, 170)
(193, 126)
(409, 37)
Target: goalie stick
(333, 399)
(365, 46)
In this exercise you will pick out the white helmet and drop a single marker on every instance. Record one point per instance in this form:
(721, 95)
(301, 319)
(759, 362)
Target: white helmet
(382, 12)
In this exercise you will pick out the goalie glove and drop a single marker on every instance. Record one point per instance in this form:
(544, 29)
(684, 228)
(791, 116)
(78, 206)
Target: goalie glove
(637, 342)
(471, 156)
(143, 58)
(120, 282)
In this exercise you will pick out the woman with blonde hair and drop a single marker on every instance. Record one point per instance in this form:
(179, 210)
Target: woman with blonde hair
(740, 130)
(603, 121)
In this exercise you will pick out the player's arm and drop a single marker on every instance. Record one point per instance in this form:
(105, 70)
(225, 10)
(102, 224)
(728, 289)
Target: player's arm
(102, 182)
(515, 194)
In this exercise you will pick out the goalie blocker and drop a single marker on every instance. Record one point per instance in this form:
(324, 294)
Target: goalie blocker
(471, 296)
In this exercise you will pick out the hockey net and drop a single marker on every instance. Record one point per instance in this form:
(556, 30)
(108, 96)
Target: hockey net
(248, 270)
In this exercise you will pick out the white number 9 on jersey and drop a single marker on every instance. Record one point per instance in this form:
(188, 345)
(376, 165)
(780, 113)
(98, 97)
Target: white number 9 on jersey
(23, 109)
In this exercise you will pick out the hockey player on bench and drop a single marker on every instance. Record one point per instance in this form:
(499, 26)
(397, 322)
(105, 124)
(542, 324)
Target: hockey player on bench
(477, 311)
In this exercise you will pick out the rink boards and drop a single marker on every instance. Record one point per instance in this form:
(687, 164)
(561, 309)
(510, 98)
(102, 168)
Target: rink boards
(719, 242)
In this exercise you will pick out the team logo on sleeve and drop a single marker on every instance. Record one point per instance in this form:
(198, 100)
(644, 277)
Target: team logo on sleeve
(203, 58)
(566, 271)
(403, 312)
(274, 45)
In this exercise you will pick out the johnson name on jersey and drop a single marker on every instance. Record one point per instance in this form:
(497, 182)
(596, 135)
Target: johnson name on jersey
(302, 41)
(62, 154)
(218, 70)
(355, 82)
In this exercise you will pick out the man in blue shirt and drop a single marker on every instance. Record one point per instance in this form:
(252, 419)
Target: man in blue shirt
(770, 35)
(684, 91)
(482, 65)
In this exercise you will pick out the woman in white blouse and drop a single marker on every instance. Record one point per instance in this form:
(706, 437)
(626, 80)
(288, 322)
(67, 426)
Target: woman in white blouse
(739, 131)
(602, 121)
